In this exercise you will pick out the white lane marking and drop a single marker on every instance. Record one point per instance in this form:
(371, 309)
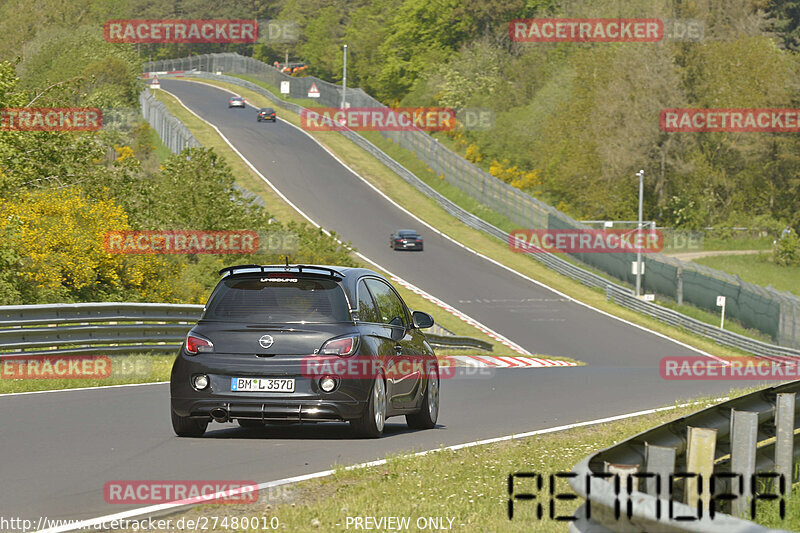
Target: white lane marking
(97, 522)
(101, 387)
(463, 316)
(469, 320)
(501, 265)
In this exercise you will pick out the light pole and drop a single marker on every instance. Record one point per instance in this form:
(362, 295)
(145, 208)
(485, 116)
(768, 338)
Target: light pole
(639, 249)
(344, 77)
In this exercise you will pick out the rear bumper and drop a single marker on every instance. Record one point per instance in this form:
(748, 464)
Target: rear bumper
(307, 403)
(272, 410)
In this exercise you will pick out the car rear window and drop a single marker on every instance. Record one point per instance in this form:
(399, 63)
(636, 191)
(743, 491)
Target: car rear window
(268, 299)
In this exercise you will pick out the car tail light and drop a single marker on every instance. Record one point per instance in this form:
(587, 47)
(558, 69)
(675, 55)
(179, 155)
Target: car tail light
(343, 346)
(195, 344)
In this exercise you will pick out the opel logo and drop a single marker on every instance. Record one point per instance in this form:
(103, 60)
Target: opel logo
(266, 341)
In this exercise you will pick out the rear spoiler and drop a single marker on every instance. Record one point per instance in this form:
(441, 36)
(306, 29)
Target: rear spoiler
(263, 269)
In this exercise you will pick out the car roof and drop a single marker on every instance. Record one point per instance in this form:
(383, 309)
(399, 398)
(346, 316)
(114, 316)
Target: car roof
(237, 98)
(407, 231)
(349, 275)
(267, 109)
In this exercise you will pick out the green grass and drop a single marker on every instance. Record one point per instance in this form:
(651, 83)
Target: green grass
(757, 269)
(161, 151)
(743, 242)
(125, 369)
(768, 513)
(467, 485)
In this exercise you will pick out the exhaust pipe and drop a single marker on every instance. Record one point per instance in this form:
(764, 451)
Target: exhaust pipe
(219, 414)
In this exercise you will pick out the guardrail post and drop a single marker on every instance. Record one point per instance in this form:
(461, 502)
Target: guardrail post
(784, 435)
(700, 448)
(744, 436)
(679, 290)
(658, 460)
(624, 472)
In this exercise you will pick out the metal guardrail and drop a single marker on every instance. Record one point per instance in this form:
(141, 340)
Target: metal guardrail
(552, 261)
(625, 297)
(752, 434)
(124, 328)
(174, 134)
(457, 341)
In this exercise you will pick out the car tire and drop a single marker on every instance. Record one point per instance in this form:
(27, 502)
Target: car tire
(420, 247)
(259, 120)
(428, 414)
(373, 420)
(186, 426)
(250, 423)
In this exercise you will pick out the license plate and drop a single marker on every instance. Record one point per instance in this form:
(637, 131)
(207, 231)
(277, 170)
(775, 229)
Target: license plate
(262, 384)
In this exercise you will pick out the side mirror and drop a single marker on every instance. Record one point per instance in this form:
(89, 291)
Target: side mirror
(422, 320)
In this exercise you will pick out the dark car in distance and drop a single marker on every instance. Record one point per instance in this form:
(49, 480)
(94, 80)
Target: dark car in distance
(267, 113)
(235, 101)
(405, 239)
(305, 343)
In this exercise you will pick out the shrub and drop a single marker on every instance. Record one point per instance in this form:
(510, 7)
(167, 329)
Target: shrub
(786, 251)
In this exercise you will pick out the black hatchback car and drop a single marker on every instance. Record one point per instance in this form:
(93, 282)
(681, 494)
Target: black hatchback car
(267, 113)
(305, 343)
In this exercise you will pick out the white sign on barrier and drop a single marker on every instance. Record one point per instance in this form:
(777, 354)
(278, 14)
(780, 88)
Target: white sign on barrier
(721, 303)
(285, 87)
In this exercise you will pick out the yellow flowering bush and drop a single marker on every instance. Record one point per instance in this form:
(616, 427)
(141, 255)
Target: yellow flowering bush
(53, 252)
(514, 176)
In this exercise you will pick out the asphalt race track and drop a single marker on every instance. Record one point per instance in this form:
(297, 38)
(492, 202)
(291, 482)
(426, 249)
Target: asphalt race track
(60, 448)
